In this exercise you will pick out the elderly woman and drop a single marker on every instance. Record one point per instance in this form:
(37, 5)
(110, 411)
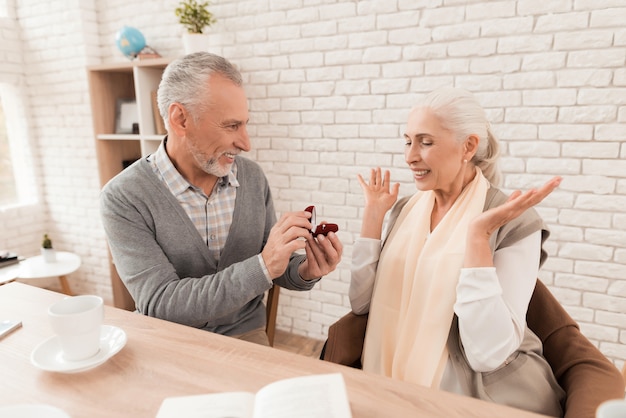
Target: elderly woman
(448, 288)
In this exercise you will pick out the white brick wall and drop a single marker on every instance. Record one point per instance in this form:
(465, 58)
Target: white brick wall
(57, 42)
(20, 226)
(330, 83)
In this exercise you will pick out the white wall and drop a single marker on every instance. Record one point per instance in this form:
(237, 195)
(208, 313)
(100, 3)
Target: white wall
(330, 83)
(20, 226)
(58, 40)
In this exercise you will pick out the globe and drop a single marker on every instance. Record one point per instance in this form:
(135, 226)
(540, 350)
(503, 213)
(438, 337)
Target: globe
(130, 41)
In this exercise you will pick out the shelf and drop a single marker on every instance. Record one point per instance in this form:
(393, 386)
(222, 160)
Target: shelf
(158, 138)
(129, 137)
(127, 66)
(108, 83)
(118, 137)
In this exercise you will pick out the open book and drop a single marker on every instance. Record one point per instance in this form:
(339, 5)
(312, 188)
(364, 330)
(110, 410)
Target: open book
(313, 396)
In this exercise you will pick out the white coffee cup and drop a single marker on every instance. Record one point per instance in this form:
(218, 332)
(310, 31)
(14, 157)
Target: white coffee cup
(612, 409)
(76, 320)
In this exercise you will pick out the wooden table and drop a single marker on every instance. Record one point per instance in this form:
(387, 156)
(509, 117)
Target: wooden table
(163, 359)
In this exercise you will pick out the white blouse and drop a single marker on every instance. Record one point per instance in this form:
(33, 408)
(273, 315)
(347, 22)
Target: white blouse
(491, 302)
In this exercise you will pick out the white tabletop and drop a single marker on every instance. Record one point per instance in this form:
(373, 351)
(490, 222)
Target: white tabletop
(37, 268)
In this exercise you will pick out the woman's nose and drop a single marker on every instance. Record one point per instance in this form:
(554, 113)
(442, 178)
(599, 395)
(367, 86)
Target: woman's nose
(412, 154)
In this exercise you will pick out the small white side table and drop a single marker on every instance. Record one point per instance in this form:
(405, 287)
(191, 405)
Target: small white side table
(36, 268)
(9, 273)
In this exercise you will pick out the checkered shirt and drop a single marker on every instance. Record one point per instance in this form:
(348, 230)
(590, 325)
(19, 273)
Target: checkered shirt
(211, 215)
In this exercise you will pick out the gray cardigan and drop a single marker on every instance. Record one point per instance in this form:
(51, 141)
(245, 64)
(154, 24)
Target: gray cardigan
(166, 266)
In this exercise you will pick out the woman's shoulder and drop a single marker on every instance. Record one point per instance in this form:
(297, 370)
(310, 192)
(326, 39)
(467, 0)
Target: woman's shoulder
(495, 197)
(518, 228)
(395, 212)
(397, 207)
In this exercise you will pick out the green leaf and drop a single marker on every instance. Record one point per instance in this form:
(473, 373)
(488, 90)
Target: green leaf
(194, 16)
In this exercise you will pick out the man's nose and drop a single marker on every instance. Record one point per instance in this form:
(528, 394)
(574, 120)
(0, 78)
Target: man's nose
(243, 140)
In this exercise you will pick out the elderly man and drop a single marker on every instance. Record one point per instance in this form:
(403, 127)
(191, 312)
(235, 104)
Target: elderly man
(192, 227)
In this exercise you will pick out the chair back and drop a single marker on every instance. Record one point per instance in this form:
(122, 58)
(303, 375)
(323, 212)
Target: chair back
(121, 297)
(271, 311)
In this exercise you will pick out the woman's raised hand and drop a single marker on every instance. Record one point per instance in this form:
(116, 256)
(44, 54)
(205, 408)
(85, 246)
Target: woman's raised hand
(477, 252)
(380, 196)
(378, 192)
(515, 205)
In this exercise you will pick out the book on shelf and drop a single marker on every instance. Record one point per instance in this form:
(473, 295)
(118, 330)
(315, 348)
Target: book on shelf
(159, 125)
(148, 53)
(322, 395)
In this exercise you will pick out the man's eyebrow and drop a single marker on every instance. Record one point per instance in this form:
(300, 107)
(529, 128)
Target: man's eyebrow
(235, 121)
(230, 121)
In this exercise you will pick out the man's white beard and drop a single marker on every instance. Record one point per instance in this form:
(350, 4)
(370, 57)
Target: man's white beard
(210, 166)
(213, 167)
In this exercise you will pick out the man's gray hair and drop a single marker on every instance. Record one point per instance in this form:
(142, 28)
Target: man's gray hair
(185, 81)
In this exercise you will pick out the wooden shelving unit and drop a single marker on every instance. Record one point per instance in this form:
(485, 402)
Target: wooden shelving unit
(109, 83)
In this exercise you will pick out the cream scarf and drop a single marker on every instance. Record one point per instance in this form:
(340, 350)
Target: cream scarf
(415, 288)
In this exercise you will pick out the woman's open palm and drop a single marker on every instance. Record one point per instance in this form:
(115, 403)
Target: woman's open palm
(378, 192)
(518, 202)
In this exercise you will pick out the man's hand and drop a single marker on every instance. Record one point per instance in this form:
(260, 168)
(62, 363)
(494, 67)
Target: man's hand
(285, 238)
(323, 253)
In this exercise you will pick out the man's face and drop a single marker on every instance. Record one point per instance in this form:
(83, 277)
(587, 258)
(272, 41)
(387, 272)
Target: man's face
(218, 134)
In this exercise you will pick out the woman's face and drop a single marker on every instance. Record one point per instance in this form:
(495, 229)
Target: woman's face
(433, 153)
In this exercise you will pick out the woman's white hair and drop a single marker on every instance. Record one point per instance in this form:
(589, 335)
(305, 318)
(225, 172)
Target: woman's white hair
(459, 111)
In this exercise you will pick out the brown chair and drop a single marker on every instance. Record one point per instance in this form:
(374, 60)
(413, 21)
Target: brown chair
(585, 374)
(271, 310)
(121, 296)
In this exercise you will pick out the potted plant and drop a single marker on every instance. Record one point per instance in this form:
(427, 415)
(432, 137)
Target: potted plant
(47, 252)
(195, 17)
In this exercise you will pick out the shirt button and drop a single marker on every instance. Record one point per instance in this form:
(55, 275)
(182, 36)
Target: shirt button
(212, 237)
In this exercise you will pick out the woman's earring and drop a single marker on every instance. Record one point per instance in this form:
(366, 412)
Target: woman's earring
(465, 161)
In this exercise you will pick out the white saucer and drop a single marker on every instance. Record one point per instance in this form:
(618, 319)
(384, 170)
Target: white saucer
(32, 411)
(48, 355)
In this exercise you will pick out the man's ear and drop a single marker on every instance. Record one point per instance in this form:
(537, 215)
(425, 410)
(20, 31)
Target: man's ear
(178, 118)
(470, 146)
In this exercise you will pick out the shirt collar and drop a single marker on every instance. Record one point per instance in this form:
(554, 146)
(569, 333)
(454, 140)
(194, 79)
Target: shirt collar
(175, 181)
